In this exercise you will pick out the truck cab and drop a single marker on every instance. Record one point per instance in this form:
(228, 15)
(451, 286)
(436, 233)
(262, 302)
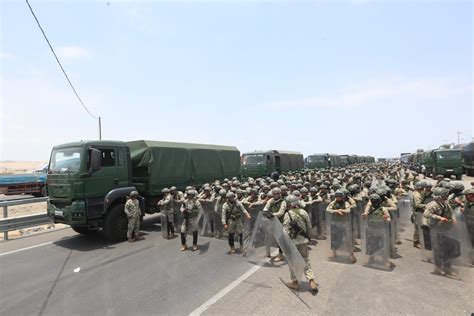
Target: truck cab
(256, 164)
(88, 182)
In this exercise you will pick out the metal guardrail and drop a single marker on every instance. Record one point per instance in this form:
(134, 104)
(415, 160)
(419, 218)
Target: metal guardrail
(15, 223)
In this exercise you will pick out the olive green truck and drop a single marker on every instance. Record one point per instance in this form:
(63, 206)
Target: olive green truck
(89, 181)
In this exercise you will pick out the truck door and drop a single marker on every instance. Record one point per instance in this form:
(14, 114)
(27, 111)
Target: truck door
(277, 164)
(124, 167)
(100, 182)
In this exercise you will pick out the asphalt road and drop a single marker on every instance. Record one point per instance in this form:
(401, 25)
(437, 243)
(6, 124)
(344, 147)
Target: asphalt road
(152, 277)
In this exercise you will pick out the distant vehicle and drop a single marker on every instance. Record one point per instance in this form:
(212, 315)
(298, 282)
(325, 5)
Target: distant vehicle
(263, 163)
(88, 181)
(27, 183)
(446, 162)
(468, 158)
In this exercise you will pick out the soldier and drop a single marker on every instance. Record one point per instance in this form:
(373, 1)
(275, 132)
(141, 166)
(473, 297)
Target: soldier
(417, 206)
(436, 212)
(276, 207)
(456, 199)
(220, 200)
(132, 209)
(468, 210)
(338, 209)
(297, 225)
(166, 204)
(190, 209)
(207, 202)
(232, 212)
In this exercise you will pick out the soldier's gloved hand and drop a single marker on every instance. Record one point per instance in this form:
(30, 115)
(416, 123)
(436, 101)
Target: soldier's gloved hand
(267, 214)
(412, 218)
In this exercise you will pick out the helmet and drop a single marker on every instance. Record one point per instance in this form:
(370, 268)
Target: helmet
(440, 193)
(173, 188)
(304, 190)
(420, 185)
(296, 193)
(292, 200)
(230, 195)
(284, 188)
(457, 186)
(313, 190)
(339, 193)
(375, 198)
(165, 190)
(222, 192)
(240, 191)
(276, 191)
(134, 194)
(236, 183)
(469, 191)
(207, 189)
(191, 192)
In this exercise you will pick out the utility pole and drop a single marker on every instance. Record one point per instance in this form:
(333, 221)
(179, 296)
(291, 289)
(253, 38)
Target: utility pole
(100, 129)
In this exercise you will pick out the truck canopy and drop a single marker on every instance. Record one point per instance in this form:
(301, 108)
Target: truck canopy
(156, 164)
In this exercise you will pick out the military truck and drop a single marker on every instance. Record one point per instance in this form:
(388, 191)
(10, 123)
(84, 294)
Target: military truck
(263, 163)
(88, 181)
(321, 161)
(442, 161)
(468, 158)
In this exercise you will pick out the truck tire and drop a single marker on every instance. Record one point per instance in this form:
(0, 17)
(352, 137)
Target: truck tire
(41, 193)
(83, 230)
(116, 224)
(459, 177)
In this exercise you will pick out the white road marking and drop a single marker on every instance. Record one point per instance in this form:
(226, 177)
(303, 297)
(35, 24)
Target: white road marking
(201, 309)
(35, 246)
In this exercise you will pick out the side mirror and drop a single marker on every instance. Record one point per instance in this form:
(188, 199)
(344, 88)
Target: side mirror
(95, 159)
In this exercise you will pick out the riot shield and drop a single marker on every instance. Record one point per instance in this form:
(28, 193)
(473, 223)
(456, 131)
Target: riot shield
(405, 211)
(451, 250)
(318, 219)
(178, 215)
(469, 220)
(164, 225)
(356, 214)
(295, 260)
(393, 230)
(250, 224)
(261, 240)
(340, 244)
(375, 244)
(206, 223)
(425, 237)
(217, 219)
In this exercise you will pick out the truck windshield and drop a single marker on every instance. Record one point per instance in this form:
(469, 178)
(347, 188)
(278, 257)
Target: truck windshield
(448, 155)
(65, 160)
(316, 159)
(253, 160)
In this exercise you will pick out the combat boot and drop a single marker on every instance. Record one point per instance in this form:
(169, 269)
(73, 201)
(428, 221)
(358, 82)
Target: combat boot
(416, 244)
(279, 258)
(131, 240)
(313, 285)
(184, 247)
(293, 285)
(195, 247)
(232, 250)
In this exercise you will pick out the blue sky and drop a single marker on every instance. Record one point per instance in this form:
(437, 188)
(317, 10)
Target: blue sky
(358, 77)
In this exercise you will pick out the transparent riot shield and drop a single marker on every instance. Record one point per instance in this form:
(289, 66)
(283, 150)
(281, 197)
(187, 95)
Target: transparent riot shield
(393, 231)
(217, 219)
(405, 211)
(318, 222)
(356, 215)
(178, 215)
(206, 223)
(425, 237)
(469, 220)
(375, 244)
(295, 260)
(451, 249)
(164, 224)
(259, 246)
(249, 225)
(340, 246)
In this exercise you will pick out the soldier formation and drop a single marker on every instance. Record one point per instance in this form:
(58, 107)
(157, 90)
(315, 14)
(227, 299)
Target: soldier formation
(361, 208)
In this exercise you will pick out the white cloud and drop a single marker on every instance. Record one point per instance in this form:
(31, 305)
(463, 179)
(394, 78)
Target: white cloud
(6, 55)
(379, 91)
(72, 52)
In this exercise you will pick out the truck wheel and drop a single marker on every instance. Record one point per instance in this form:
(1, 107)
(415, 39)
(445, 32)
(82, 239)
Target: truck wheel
(82, 230)
(116, 224)
(458, 176)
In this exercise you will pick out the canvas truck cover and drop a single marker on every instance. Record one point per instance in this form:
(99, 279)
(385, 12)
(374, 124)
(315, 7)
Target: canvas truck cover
(156, 164)
(290, 160)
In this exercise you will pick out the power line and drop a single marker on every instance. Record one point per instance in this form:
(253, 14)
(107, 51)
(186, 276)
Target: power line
(59, 63)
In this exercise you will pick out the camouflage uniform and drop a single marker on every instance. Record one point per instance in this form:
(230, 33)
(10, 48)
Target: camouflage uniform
(417, 206)
(132, 209)
(301, 242)
(232, 216)
(167, 208)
